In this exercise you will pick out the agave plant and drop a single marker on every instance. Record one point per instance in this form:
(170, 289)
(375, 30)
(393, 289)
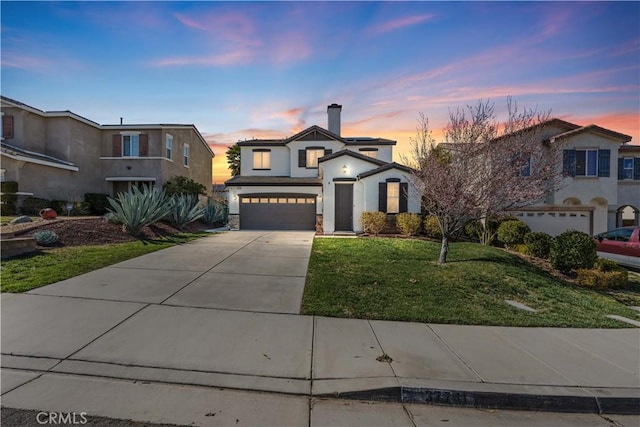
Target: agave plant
(185, 210)
(139, 209)
(213, 212)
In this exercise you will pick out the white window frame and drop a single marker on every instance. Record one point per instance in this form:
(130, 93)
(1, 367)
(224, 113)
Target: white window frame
(261, 160)
(313, 154)
(185, 155)
(169, 147)
(626, 169)
(134, 142)
(393, 197)
(586, 153)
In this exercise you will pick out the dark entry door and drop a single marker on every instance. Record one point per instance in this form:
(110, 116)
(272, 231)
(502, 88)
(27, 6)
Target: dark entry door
(344, 207)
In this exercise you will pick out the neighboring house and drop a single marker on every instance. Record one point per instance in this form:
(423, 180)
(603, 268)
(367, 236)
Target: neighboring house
(602, 181)
(61, 155)
(317, 179)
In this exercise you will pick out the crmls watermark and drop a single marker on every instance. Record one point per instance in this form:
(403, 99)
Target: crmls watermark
(61, 418)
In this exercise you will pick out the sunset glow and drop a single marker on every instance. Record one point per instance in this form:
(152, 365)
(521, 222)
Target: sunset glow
(243, 70)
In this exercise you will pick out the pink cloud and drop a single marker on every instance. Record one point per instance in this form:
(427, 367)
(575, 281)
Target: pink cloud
(233, 27)
(223, 59)
(12, 60)
(399, 23)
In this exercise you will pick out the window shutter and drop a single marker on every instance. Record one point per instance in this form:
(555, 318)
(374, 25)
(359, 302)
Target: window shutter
(144, 144)
(7, 127)
(302, 158)
(382, 197)
(569, 162)
(620, 168)
(636, 168)
(116, 143)
(604, 163)
(327, 151)
(404, 197)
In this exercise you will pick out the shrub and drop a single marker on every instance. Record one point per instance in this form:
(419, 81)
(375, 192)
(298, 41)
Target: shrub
(408, 223)
(373, 222)
(9, 186)
(98, 203)
(182, 185)
(213, 212)
(603, 264)
(572, 250)
(538, 244)
(33, 205)
(432, 227)
(599, 279)
(45, 237)
(8, 198)
(485, 233)
(512, 232)
(139, 209)
(60, 206)
(184, 210)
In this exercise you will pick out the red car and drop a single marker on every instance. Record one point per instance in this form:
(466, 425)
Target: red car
(621, 245)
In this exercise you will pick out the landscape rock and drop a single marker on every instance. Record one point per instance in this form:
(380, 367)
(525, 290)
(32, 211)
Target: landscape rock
(22, 219)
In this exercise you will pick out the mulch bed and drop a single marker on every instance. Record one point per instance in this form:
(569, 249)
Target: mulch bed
(97, 231)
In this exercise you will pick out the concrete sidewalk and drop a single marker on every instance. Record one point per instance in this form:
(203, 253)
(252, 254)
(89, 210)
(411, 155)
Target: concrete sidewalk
(222, 312)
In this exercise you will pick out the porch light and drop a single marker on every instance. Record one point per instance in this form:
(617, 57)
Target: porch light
(344, 168)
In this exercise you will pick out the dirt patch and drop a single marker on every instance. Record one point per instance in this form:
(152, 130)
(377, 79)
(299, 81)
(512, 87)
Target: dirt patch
(95, 231)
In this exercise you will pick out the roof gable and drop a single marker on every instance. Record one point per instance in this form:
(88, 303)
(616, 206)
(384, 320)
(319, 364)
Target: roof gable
(384, 168)
(315, 133)
(600, 131)
(353, 154)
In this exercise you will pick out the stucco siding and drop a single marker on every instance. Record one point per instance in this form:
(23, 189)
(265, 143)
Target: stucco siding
(295, 146)
(278, 160)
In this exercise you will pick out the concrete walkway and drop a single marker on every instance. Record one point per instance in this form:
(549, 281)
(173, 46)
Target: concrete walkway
(222, 312)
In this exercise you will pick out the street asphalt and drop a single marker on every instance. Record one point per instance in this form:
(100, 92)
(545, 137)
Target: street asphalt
(209, 333)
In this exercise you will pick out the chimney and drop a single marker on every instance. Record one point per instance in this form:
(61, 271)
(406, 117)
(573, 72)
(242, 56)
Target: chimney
(333, 111)
(120, 120)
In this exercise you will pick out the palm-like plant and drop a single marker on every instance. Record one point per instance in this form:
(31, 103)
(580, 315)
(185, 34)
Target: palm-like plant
(140, 208)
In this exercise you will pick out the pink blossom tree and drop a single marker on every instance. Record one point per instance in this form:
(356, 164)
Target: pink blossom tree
(484, 168)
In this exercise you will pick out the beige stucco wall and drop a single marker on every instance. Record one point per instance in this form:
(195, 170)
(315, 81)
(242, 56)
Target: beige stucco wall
(29, 129)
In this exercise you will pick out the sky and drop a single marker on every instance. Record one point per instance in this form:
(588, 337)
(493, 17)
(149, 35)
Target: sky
(243, 70)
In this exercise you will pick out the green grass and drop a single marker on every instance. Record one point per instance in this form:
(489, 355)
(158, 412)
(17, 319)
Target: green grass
(28, 272)
(398, 279)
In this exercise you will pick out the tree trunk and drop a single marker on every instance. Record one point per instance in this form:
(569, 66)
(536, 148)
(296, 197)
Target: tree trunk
(444, 250)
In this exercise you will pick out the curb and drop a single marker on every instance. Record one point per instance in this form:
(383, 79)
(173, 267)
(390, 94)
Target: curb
(594, 404)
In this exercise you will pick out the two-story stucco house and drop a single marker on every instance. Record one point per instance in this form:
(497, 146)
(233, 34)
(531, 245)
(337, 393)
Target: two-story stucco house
(61, 155)
(317, 179)
(601, 188)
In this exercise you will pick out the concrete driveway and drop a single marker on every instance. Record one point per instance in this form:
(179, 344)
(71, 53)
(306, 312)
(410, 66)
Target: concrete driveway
(246, 271)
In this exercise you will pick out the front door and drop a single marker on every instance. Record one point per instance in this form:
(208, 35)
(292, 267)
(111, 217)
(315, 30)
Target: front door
(344, 207)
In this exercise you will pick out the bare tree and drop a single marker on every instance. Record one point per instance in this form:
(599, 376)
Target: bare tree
(484, 168)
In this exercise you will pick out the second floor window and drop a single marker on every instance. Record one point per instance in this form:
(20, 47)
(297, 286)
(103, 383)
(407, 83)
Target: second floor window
(313, 154)
(587, 162)
(627, 168)
(261, 159)
(130, 146)
(369, 152)
(186, 155)
(7, 126)
(169, 147)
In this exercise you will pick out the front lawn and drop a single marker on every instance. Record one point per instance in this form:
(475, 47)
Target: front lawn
(28, 272)
(398, 279)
